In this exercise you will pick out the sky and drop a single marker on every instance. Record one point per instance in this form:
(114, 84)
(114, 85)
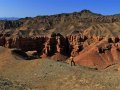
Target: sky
(31, 8)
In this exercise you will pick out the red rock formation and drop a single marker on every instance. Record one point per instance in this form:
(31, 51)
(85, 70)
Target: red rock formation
(101, 56)
(76, 42)
(88, 51)
(54, 44)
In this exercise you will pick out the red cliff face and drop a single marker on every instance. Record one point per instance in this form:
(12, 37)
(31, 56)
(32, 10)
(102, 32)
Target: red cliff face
(25, 44)
(76, 44)
(87, 51)
(44, 45)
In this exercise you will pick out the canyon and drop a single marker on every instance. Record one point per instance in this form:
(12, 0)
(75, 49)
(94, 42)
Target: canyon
(92, 39)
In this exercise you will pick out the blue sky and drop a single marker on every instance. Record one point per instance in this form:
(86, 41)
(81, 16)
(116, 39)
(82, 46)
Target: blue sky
(24, 8)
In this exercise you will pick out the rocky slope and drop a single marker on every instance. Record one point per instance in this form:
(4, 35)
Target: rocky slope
(92, 39)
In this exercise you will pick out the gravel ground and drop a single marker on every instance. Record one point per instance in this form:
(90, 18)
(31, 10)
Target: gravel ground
(19, 74)
(50, 75)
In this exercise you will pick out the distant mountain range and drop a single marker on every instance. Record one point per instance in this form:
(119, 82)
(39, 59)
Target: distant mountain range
(9, 18)
(65, 23)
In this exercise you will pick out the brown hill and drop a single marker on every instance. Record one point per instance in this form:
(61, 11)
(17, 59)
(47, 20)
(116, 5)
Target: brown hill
(64, 23)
